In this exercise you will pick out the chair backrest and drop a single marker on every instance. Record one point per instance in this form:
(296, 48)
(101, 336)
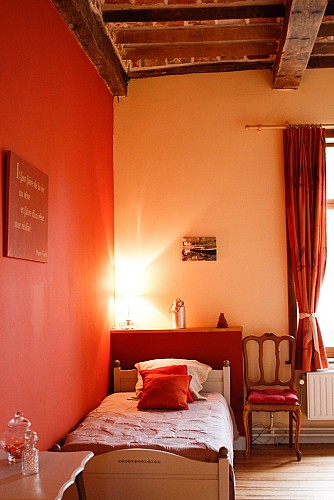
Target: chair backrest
(269, 360)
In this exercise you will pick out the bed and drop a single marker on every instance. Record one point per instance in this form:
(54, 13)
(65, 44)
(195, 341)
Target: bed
(135, 459)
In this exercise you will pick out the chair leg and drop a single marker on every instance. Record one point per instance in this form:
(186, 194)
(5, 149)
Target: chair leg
(290, 428)
(246, 417)
(298, 415)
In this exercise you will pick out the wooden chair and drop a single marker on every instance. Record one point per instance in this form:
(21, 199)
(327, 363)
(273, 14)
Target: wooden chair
(269, 369)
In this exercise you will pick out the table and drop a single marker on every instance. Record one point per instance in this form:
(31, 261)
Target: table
(57, 471)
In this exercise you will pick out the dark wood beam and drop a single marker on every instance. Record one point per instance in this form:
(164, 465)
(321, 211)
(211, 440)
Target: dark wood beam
(112, 13)
(321, 62)
(301, 26)
(326, 30)
(323, 49)
(229, 50)
(199, 68)
(330, 8)
(88, 28)
(197, 34)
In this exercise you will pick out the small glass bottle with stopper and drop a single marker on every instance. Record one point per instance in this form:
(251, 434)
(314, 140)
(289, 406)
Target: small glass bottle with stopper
(30, 462)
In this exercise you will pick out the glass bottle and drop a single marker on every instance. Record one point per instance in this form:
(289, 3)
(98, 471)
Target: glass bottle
(13, 438)
(30, 462)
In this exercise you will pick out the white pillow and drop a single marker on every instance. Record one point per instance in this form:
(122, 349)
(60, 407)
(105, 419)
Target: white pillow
(198, 371)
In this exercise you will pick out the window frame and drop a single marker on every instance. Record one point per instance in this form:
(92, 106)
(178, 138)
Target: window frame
(330, 206)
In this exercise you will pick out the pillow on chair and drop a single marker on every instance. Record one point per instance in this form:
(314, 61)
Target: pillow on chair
(273, 396)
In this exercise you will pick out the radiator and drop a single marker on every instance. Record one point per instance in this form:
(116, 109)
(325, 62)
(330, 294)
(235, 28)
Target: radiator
(320, 395)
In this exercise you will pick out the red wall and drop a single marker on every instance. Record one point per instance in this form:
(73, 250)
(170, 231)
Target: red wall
(57, 114)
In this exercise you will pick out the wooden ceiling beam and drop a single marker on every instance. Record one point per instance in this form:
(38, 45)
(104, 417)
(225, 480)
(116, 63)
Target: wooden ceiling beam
(317, 62)
(197, 34)
(186, 69)
(326, 30)
(323, 49)
(301, 26)
(88, 28)
(231, 50)
(112, 13)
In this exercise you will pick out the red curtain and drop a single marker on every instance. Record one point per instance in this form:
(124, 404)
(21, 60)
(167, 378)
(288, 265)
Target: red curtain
(305, 198)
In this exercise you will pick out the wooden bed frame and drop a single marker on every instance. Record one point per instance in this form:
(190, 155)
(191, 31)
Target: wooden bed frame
(208, 345)
(141, 474)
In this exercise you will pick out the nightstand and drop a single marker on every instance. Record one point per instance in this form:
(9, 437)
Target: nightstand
(57, 471)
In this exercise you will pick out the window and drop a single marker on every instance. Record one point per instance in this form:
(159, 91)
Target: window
(326, 306)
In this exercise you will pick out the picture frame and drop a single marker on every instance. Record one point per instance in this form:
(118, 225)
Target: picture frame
(26, 210)
(199, 248)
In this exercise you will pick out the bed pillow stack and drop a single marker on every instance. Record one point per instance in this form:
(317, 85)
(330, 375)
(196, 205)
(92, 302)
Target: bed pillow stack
(164, 368)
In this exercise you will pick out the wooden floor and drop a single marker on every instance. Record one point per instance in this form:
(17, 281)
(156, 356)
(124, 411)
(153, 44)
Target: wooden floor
(272, 472)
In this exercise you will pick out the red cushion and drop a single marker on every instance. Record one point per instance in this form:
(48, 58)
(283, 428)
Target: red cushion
(169, 370)
(167, 392)
(273, 396)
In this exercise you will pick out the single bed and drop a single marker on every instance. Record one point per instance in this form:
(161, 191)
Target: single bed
(159, 454)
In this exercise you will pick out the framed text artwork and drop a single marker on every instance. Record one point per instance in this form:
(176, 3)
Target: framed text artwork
(26, 216)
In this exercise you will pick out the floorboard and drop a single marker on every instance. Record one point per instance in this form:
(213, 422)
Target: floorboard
(272, 472)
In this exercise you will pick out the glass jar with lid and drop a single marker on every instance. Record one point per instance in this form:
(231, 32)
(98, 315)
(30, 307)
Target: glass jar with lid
(13, 439)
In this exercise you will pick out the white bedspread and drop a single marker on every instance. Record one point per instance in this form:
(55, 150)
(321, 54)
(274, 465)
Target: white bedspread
(197, 433)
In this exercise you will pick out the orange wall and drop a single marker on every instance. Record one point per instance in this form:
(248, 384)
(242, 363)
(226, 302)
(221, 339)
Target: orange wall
(57, 114)
(193, 170)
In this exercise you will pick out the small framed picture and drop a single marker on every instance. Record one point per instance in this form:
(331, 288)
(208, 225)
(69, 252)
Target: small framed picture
(195, 248)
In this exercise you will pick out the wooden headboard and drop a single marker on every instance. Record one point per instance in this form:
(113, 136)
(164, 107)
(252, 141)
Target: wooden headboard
(208, 345)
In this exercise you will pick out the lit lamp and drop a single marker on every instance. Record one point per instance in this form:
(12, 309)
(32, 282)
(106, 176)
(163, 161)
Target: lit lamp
(128, 324)
(128, 287)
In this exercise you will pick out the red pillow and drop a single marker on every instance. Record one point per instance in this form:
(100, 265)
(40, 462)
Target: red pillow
(164, 392)
(169, 370)
(273, 396)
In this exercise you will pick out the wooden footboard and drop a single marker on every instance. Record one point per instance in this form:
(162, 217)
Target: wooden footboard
(142, 474)
(155, 475)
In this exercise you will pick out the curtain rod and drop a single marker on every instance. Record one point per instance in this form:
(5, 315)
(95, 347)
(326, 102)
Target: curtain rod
(280, 127)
